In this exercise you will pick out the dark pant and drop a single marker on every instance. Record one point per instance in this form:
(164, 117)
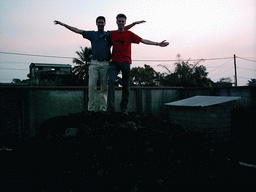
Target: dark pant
(114, 69)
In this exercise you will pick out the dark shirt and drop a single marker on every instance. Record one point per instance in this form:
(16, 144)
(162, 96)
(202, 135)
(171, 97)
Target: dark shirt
(100, 44)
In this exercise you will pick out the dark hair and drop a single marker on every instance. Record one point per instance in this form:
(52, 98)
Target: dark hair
(101, 17)
(121, 15)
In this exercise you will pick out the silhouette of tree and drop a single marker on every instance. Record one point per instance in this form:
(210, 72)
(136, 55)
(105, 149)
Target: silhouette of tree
(146, 76)
(80, 71)
(224, 82)
(251, 82)
(187, 75)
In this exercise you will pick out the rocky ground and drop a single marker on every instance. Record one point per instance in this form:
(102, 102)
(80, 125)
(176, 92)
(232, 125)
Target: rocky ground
(113, 152)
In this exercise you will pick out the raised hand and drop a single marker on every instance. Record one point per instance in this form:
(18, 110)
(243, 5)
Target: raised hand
(163, 44)
(57, 22)
(139, 22)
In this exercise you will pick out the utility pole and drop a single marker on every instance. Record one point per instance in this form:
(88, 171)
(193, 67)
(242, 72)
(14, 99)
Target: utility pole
(235, 70)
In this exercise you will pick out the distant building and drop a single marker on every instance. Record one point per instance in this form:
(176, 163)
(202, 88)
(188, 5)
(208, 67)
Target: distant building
(50, 72)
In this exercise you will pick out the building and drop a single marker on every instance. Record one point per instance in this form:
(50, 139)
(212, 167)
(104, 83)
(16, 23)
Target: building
(51, 72)
(207, 114)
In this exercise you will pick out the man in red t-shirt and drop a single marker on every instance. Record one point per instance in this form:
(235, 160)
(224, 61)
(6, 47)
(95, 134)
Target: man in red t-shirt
(121, 60)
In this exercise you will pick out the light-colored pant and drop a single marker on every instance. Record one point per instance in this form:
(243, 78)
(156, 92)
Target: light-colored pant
(98, 71)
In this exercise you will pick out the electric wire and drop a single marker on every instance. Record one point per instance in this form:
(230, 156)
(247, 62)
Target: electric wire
(13, 69)
(167, 60)
(219, 66)
(245, 78)
(246, 59)
(245, 69)
(151, 60)
(138, 60)
(35, 55)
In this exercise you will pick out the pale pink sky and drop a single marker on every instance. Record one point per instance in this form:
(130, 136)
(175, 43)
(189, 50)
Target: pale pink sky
(195, 29)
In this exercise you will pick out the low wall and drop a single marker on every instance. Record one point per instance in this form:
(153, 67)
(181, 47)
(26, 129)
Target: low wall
(24, 108)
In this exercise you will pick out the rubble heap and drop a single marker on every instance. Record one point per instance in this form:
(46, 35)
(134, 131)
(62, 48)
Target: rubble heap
(113, 152)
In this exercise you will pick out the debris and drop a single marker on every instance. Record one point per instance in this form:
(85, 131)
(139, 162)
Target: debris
(70, 132)
(104, 151)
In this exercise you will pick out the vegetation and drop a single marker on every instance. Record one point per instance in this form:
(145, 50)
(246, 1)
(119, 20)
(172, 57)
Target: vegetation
(81, 70)
(224, 82)
(252, 82)
(185, 74)
(144, 76)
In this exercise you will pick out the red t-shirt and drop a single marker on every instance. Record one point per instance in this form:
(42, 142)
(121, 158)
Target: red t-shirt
(122, 45)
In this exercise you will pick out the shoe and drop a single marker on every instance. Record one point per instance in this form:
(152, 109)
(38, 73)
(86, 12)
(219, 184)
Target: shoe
(90, 112)
(110, 111)
(124, 112)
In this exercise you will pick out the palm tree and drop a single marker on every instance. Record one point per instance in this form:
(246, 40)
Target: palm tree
(80, 71)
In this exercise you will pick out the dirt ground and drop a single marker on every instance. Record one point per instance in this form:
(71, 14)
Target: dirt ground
(114, 152)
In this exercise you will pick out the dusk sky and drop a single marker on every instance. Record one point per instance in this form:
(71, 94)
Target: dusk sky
(213, 30)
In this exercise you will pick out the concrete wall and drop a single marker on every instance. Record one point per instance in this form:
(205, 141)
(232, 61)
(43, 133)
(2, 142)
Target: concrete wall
(44, 104)
(24, 108)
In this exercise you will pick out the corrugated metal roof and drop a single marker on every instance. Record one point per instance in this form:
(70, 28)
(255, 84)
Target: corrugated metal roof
(49, 65)
(202, 101)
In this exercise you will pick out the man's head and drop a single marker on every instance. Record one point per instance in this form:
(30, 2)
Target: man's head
(121, 21)
(100, 22)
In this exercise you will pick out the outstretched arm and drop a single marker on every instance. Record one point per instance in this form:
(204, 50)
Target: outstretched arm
(127, 27)
(79, 31)
(161, 44)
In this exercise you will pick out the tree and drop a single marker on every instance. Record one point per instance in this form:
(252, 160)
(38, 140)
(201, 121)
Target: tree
(224, 82)
(187, 75)
(16, 81)
(251, 82)
(146, 76)
(170, 79)
(80, 71)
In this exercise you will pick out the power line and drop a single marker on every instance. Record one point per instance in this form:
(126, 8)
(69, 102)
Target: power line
(246, 69)
(166, 60)
(140, 60)
(245, 78)
(246, 59)
(224, 72)
(220, 66)
(34, 55)
(12, 68)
